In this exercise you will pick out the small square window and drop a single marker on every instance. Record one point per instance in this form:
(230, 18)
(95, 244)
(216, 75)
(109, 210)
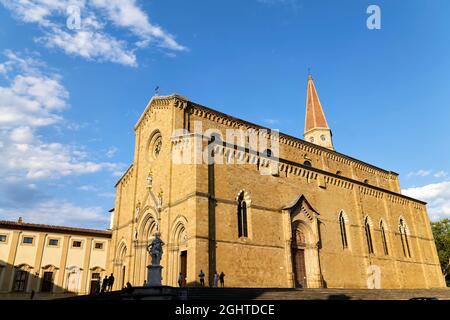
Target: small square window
(53, 242)
(3, 237)
(27, 240)
(76, 244)
(99, 245)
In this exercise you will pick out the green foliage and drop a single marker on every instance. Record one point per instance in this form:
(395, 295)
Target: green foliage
(441, 233)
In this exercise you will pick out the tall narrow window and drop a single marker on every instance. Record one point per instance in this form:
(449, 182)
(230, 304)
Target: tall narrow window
(242, 217)
(20, 280)
(383, 238)
(343, 231)
(368, 236)
(404, 238)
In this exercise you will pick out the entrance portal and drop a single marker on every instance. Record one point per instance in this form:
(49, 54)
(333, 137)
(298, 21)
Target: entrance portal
(183, 266)
(299, 268)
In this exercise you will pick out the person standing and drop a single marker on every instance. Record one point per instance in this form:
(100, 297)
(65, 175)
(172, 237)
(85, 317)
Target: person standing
(180, 280)
(222, 279)
(105, 284)
(215, 279)
(201, 275)
(110, 282)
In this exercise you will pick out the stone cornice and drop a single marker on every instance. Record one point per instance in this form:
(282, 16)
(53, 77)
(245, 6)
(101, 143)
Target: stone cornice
(127, 174)
(231, 121)
(227, 120)
(162, 101)
(310, 173)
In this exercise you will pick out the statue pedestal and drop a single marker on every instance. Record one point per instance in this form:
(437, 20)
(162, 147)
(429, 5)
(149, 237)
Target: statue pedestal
(154, 276)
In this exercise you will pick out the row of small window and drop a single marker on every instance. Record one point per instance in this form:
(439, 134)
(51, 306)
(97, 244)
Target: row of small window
(53, 242)
(368, 233)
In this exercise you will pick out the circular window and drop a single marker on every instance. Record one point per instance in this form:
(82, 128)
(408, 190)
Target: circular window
(155, 145)
(323, 138)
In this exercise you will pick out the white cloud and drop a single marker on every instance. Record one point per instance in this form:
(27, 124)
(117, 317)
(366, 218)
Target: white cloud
(437, 195)
(440, 174)
(59, 212)
(271, 121)
(111, 152)
(91, 40)
(420, 173)
(90, 45)
(33, 99)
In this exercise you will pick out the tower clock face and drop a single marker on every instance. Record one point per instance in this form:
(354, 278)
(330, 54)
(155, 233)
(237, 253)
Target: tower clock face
(323, 138)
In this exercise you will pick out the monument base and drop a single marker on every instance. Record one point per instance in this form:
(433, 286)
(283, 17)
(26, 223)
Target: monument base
(154, 276)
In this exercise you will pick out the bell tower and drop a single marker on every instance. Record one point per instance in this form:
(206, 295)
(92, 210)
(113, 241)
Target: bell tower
(316, 126)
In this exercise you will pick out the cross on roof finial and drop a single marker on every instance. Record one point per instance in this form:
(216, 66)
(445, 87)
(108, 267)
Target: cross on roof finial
(309, 73)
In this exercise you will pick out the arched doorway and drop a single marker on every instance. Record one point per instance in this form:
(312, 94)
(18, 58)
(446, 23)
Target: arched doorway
(303, 245)
(298, 255)
(120, 267)
(178, 250)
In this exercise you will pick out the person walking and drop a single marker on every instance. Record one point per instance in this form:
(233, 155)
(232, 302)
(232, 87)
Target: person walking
(201, 275)
(104, 284)
(222, 279)
(110, 282)
(180, 280)
(216, 279)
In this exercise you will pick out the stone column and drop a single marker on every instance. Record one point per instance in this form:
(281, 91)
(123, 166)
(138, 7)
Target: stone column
(9, 269)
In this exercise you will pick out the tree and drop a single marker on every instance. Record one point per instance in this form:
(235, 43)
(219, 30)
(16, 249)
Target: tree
(441, 233)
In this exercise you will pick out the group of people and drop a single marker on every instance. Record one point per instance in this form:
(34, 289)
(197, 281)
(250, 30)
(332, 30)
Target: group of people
(216, 278)
(107, 283)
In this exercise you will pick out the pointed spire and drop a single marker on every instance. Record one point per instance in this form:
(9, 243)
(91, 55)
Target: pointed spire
(316, 126)
(315, 118)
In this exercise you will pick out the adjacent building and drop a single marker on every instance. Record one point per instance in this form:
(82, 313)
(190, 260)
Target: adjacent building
(51, 259)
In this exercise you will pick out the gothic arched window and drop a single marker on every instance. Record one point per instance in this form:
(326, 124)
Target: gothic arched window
(242, 216)
(404, 238)
(368, 235)
(383, 238)
(343, 231)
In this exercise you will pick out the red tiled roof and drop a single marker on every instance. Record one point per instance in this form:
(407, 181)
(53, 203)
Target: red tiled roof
(315, 118)
(56, 229)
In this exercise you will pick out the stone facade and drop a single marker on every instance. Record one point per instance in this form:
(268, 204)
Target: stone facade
(318, 219)
(51, 259)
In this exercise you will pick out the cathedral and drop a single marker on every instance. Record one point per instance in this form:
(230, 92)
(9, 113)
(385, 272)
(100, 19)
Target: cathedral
(265, 208)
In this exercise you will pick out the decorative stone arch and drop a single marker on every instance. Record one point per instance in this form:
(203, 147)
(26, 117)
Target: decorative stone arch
(369, 232)
(405, 233)
(405, 224)
(152, 140)
(50, 268)
(24, 267)
(344, 228)
(302, 244)
(73, 278)
(178, 249)
(147, 228)
(244, 197)
(384, 234)
(120, 265)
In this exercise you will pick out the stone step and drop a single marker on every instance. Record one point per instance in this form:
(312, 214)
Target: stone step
(219, 294)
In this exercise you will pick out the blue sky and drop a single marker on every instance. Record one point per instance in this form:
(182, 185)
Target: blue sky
(69, 98)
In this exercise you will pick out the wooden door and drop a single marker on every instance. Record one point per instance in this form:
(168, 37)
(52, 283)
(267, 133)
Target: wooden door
(94, 283)
(47, 282)
(299, 268)
(183, 266)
